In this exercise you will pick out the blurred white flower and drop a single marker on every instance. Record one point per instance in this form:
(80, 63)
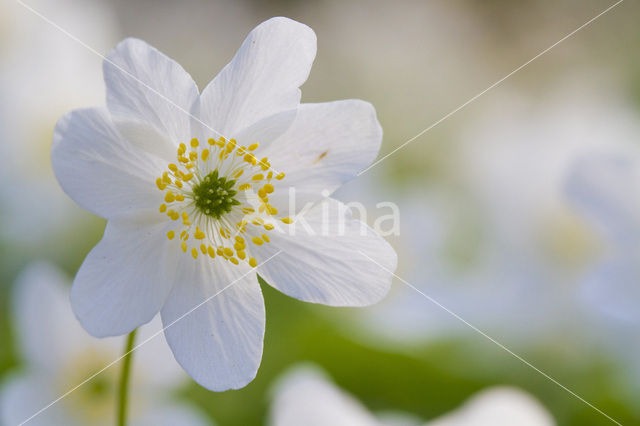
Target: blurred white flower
(503, 249)
(190, 213)
(58, 355)
(602, 187)
(305, 396)
(43, 73)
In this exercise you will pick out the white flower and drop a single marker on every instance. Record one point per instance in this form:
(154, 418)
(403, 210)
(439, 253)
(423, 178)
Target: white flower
(190, 212)
(58, 355)
(304, 396)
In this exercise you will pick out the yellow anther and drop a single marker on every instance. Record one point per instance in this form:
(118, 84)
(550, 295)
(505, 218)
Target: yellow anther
(253, 262)
(182, 149)
(184, 235)
(231, 145)
(280, 176)
(262, 208)
(163, 208)
(185, 216)
(220, 143)
(259, 176)
(257, 221)
(264, 163)
(166, 178)
(187, 177)
(194, 143)
(257, 241)
(178, 184)
(253, 146)
(193, 156)
(241, 254)
(265, 237)
(170, 235)
(268, 188)
(238, 173)
(241, 151)
(287, 220)
(183, 159)
(210, 250)
(203, 248)
(189, 165)
(169, 197)
(269, 175)
(161, 186)
(250, 158)
(184, 247)
(272, 210)
(199, 235)
(247, 210)
(238, 247)
(244, 187)
(227, 251)
(211, 141)
(194, 253)
(261, 193)
(179, 197)
(268, 226)
(239, 239)
(219, 252)
(173, 214)
(233, 260)
(205, 154)
(173, 167)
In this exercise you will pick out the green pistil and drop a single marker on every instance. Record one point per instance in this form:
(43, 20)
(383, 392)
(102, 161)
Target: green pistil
(214, 195)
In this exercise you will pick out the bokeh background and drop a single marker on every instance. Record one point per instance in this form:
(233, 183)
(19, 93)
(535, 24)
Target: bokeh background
(488, 228)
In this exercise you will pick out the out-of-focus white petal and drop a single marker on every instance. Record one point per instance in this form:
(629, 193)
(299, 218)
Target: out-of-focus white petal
(500, 406)
(262, 79)
(214, 322)
(599, 186)
(99, 169)
(23, 396)
(126, 278)
(327, 257)
(304, 396)
(327, 145)
(148, 90)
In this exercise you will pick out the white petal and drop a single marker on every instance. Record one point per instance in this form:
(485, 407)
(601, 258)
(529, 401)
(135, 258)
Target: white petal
(327, 257)
(125, 279)
(214, 321)
(47, 329)
(149, 92)
(305, 397)
(99, 169)
(263, 77)
(327, 145)
(501, 406)
(23, 396)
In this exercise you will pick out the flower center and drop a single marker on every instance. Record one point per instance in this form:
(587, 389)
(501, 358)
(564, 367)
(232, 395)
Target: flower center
(217, 194)
(213, 196)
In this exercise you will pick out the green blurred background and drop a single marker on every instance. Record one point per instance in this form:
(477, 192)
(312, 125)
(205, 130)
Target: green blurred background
(415, 61)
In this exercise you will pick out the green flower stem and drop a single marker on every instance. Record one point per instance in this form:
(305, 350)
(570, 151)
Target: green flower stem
(123, 388)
